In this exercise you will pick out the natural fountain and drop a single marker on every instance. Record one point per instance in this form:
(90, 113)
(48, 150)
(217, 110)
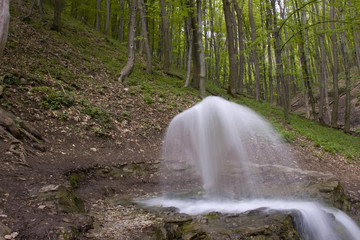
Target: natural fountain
(223, 157)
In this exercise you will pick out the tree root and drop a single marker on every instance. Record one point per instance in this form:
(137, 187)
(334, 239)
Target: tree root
(18, 131)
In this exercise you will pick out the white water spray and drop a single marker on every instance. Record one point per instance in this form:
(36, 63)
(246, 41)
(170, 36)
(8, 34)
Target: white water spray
(218, 152)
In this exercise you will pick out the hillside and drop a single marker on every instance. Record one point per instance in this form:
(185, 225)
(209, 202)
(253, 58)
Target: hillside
(65, 85)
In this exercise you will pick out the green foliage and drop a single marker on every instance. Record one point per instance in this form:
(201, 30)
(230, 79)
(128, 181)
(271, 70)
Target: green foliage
(99, 115)
(57, 100)
(11, 79)
(148, 99)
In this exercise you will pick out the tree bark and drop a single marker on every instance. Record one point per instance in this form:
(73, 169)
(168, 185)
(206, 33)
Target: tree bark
(241, 45)
(200, 50)
(189, 47)
(305, 65)
(198, 56)
(4, 23)
(126, 71)
(254, 51)
(108, 12)
(270, 66)
(347, 77)
(165, 36)
(58, 6)
(335, 108)
(39, 3)
(279, 64)
(145, 34)
(233, 71)
(97, 20)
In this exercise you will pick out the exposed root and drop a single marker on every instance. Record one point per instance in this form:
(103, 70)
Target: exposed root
(16, 131)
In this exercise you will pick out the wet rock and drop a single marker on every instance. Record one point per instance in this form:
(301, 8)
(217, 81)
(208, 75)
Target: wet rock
(256, 224)
(68, 201)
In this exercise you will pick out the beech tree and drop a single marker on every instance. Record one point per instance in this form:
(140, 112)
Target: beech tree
(126, 71)
(233, 66)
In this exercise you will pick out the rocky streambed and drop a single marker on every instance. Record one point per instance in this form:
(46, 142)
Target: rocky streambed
(101, 203)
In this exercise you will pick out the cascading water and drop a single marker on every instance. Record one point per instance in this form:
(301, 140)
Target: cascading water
(221, 156)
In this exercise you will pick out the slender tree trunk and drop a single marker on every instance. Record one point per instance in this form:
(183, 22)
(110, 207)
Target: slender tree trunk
(324, 101)
(347, 77)
(305, 65)
(270, 67)
(199, 49)
(108, 12)
(254, 51)
(145, 35)
(249, 83)
(286, 78)
(231, 48)
(335, 108)
(126, 71)
(57, 15)
(241, 45)
(279, 64)
(189, 51)
(4, 23)
(97, 20)
(165, 36)
(356, 33)
(121, 22)
(41, 11)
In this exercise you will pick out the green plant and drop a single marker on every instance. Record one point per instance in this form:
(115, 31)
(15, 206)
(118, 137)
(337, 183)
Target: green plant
(148, 99)
(11, 79)
(57, 100)
(63, 117)
(98, 114)
(99, 132)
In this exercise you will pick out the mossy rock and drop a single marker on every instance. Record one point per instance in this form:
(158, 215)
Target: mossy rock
(68, 201)
(76, 178)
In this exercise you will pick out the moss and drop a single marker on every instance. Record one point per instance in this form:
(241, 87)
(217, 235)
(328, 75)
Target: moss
(68, 201)
(75, 178)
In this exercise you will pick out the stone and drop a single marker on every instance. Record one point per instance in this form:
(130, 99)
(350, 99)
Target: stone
(49, 188)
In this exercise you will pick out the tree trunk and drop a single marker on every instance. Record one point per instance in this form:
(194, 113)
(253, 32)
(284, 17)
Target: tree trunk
(200, 50)
(165, 36)
(279, 64)
(305, 65)
(357, 45)
(270, 67)
(108, 11)
(233, 74)
(39, 3)
(189, 47)
(4, 23)
(347, 77)
(98, 9)
(241, 45)
(57, 15)
(145, 34)
(126, 71)
(254, 51)
(335, 108)
(121, 22)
